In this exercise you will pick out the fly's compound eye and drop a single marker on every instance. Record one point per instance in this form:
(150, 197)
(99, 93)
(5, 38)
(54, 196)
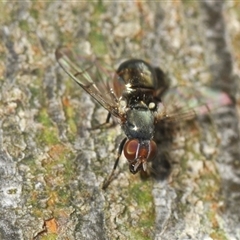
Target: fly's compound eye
(131, 149)
(152, 151)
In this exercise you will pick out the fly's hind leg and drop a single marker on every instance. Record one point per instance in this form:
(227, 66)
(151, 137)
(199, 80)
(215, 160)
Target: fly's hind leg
(111, 176)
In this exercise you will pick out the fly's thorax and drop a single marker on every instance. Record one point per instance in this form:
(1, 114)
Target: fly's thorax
(139, 123)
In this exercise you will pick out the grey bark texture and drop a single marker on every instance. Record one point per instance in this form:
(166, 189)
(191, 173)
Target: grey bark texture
(52, 166)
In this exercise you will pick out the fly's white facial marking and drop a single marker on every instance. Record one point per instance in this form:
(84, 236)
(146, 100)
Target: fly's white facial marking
(122, 106)
(151, 105)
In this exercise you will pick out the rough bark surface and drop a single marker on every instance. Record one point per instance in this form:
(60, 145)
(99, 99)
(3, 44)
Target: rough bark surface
(52, 166)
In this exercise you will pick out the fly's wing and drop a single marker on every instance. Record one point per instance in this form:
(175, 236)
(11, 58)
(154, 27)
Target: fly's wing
(184, 103)
(92, 75)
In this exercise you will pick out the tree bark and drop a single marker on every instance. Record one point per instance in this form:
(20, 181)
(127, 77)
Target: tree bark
(52, 165)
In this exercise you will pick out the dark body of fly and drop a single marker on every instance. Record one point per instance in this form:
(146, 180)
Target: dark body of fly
(135, 94)
(140, 109)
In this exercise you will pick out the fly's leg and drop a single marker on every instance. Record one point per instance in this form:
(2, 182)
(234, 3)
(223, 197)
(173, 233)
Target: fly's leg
(102, 124)
(111, 176)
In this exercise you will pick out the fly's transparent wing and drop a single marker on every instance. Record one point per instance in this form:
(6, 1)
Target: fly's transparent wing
(92, 75)
(179, 105)
(184, 103)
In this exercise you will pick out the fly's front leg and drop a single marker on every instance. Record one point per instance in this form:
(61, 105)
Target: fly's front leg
(111, 176)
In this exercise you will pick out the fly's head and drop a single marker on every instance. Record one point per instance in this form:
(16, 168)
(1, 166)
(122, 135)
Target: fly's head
(138, 153)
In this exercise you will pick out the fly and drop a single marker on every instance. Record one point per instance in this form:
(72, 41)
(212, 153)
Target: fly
(135, 94)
